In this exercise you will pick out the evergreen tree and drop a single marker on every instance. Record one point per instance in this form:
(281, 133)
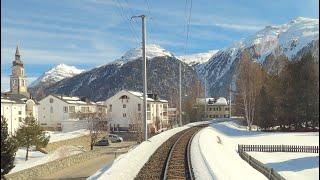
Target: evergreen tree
(30, 134)
(8, 149)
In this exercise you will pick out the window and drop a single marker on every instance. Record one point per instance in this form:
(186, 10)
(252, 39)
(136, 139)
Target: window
(51, 109)
(51, 100)
(65, 109)
(124, 106)
(148, 107)
(139, 107)
(110, 108)
(72, 109)
(43, 124)
(19, 112)
(148, 115)
(20, 119)
(124, 115)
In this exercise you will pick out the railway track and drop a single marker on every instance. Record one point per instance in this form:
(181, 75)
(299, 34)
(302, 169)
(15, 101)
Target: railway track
(172, 159)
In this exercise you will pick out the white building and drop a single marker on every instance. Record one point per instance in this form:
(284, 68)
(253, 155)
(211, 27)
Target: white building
(15, 108)
(54, 110)
(125, 111)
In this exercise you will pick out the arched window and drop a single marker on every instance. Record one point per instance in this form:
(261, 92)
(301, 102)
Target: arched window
(124, 98)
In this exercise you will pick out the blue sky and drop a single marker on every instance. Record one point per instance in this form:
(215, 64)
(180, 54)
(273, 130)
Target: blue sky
(89, 33)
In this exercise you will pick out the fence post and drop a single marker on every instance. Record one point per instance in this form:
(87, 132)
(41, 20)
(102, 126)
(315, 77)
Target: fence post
(270, 173)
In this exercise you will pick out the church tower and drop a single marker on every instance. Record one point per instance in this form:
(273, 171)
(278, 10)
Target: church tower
(18, 82)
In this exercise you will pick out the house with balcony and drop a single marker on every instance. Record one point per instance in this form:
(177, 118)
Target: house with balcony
(125, 111)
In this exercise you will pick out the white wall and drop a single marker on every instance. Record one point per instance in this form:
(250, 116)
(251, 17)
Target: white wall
(116, 114)
(48, 118)
(11, 112)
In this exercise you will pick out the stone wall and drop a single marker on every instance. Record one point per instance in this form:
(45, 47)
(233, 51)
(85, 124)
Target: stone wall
(83, 141)
(59, 164)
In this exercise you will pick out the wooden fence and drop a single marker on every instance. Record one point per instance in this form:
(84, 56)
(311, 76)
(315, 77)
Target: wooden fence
(268, 172)
(279, 148)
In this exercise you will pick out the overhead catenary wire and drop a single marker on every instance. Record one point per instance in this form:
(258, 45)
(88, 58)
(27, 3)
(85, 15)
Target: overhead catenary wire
(151, 22)
(125, 19)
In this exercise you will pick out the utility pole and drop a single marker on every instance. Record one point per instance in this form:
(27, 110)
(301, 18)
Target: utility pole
(230, 101)
(180, 109)
(205, 96)
(144, 67)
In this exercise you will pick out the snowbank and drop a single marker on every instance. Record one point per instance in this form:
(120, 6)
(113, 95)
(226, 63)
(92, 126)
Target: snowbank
(221, 161)
(60, 136)
(128, 165)
(37, 158)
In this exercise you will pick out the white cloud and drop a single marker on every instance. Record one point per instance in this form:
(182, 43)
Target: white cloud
(239, 26)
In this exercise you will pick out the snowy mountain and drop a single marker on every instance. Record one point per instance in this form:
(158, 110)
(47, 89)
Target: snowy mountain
(56, 74)
(152, 51)
(289, 40)
(199, 58)
(126, 73)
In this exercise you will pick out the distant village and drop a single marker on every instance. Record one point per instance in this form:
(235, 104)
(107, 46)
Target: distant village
(121, 112)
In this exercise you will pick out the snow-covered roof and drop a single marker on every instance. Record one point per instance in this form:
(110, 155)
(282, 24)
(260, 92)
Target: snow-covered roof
(74, 100)
(213, 101)
(140, 95)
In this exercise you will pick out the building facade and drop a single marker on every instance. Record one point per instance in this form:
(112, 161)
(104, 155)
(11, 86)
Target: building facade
(125, 111)
(216, 107)
(55, 109)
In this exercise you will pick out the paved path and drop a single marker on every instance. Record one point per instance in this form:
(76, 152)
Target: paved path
(82, 170)
(88, 168)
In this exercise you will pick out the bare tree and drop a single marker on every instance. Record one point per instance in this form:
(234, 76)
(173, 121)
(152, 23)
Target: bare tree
(135, 120)
(249, 82)
(97, 124)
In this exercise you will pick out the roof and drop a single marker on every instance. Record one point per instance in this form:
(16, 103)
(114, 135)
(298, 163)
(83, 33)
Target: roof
(140, 95)
(213, 101)
(14, 98)
(74, 100)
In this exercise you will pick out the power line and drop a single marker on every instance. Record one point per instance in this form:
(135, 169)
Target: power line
(125, 18)
(188, 27)
(150, 18)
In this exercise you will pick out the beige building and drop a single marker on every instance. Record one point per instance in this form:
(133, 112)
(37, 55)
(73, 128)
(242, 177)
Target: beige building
(125, 111)
(216, 107)
(18, 80)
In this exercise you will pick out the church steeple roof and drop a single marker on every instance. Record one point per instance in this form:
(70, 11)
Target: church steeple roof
(17, 51)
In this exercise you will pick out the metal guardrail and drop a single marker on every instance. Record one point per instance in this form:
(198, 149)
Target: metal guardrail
(279, 148)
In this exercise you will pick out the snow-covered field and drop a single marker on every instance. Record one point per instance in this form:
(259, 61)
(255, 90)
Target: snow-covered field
(128, 165)
(60, 136)
(211, 159)
(36, 158)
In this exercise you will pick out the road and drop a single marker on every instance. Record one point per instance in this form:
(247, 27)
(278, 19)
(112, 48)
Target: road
(87, 168)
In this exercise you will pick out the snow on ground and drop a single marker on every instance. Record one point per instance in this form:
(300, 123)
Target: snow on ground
(221, 161)
(291, 165)
(128, 165)
(36, 158)
(60, 136)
